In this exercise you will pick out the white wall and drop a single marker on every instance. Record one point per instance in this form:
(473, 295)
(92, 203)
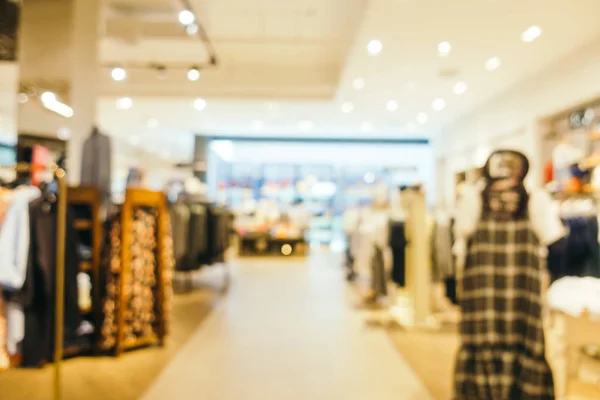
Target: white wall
(512, 120)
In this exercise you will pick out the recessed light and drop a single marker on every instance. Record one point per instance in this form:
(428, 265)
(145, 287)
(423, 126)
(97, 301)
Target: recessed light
(199, 104)
(124, 103)
(438, 104)
(191, 29)
(347, 107)
(374, 47)
(444, 49)
(366, 126)
(305, 125)
(422, 117)
(392, 105)
(358, 84)
(152, 123)
(193, 74)
(186, 17)
(411, 127)
(460, 88)
(258, 125)
(118, 74)
(531, 33)
(493, 64)
(63, 133)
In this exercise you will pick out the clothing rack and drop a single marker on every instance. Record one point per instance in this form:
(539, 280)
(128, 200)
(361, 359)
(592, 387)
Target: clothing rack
(60, 176)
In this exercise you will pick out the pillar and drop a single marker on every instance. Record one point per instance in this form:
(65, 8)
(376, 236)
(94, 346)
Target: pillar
(201, 149)
(57, 52)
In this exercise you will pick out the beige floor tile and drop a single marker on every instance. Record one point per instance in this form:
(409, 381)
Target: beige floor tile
(287, 331)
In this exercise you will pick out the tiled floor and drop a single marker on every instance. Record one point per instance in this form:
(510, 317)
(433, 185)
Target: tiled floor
(287, 331)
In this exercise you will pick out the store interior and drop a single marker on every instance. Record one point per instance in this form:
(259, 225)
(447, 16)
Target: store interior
(318, 199)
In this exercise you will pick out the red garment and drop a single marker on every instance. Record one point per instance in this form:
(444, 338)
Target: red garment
(548, 172)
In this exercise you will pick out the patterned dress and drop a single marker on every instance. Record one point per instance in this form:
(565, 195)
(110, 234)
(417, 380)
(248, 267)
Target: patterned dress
(502, 356)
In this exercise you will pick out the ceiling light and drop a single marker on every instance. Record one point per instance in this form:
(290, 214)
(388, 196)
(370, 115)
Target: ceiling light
(411, 127)
(347, 107)
(366, 126)
(444, 49)
(118, 74)
(374, 47)
(422, 117)
(438, 104)
(493, 64)
(22, 98)
(152, 123)
(63, 133)
(531, 33)
(369, 177)
(59, 108)
(199, 104)
(191, 29)
(124, 103)
(305, 125)
(460, 88)
(186, 17)
(48, 97)
(258, 125)
(392, 105)
(193, 74)
(358, 84)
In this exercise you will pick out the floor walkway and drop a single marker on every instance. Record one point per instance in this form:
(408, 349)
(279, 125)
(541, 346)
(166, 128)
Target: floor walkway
(287, 331)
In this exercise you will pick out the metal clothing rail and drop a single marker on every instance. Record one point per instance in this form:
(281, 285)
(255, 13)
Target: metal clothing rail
(61, 218)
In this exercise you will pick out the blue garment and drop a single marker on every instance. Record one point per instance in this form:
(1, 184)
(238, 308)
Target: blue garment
(582, 246)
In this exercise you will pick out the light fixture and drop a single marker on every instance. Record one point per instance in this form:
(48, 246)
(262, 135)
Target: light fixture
(22, 98)
(191, 29)
(305, 125)
(63, 133)
(124, 103)
(392, 105)
(193, 74)
(347, 107)
(493, 64)
(48, 97)
(444, 49)
(258, 125)
(118, 74)
(152, 123)
(199, 104)
(366, 126)
(531, 33)
(374, 47)
(358, 84)
(369, 177)
(186, 17)
(411, 127)
(422, 117)
(438, 104)
(460, 88)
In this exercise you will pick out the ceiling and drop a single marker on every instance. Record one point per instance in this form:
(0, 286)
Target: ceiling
(283, 62)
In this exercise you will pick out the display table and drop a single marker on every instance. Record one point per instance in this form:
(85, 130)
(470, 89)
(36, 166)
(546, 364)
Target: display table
(263, 244)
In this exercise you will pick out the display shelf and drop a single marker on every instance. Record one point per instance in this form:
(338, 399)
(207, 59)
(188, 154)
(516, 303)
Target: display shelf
(85, 203)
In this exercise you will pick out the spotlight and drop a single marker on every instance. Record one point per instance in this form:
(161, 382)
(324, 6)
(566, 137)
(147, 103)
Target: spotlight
(48, 97)
(186, 17)
(193, 74)
(124, 103)
(118, 74)
(191, 29)
(199, 104)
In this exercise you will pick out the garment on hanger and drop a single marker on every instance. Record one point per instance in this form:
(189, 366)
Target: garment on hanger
(502, 354)
(96, 164)
(398, 244)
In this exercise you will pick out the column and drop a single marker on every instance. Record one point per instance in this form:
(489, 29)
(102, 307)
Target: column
(201, 149)
(57, 51)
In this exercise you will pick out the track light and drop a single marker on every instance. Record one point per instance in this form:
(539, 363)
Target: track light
(186, 17)
(118, 74)
(193, 74)
(191, 29)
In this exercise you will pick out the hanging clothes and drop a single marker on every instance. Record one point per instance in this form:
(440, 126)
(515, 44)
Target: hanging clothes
(397, 245)
(96, 163)
(38, 294)
(180, 218)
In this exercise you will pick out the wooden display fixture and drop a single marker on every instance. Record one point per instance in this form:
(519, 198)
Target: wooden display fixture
(85, 202)
(140, 198)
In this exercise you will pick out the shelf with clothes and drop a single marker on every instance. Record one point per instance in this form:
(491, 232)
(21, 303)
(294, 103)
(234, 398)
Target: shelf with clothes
(138, 264)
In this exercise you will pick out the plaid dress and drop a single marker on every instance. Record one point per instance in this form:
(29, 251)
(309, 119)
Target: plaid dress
(502, 356)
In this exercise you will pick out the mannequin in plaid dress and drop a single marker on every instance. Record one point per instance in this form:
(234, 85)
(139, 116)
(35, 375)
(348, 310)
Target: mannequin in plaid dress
(502, 354)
